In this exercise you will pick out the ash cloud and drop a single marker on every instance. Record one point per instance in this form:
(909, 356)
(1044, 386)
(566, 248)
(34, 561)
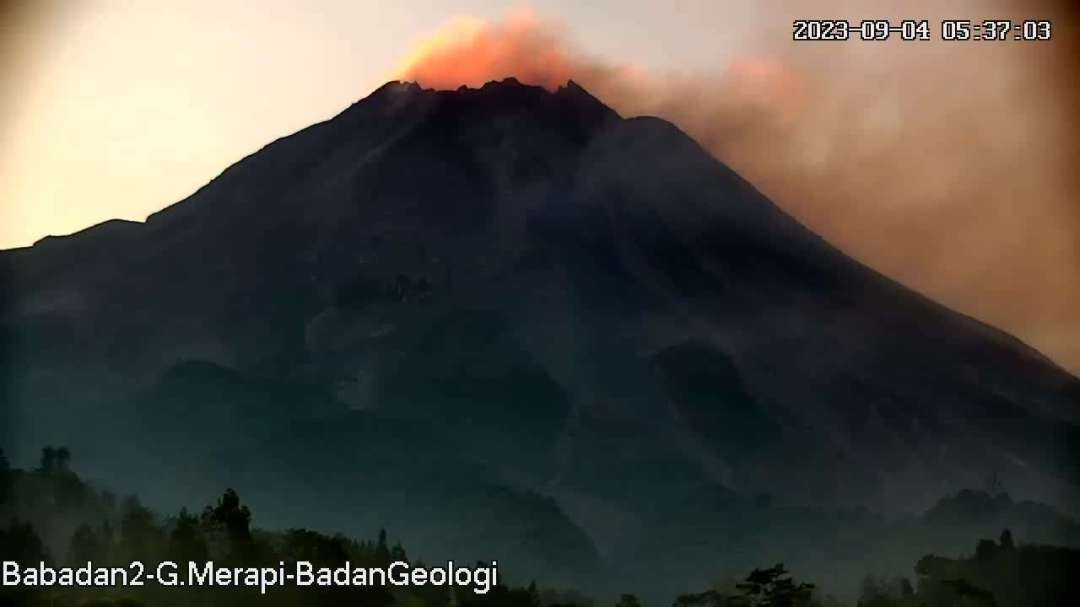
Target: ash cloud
(949, 166)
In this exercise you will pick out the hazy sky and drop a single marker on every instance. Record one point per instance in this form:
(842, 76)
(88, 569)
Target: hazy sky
(119, 107)
(951, 167)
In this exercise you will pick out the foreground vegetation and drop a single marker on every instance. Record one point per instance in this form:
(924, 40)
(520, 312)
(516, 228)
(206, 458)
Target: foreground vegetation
(51, 515)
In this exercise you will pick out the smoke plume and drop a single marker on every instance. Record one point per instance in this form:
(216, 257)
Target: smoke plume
(949, 166)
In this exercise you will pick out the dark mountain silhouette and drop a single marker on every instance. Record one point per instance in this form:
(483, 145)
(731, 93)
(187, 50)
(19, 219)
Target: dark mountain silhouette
(510, 301)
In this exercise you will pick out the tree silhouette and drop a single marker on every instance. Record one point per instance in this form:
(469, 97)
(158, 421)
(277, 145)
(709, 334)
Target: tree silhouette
(1006, 540)
(48, 460)
(382, 551)
(971, 594)
(140, 537)
(533, 595)
(54, 460)
(906, 589)
(63, 458)
(709, 598)
(20, 543)
(185, 541)
(5, 478)
(773, 587)
(985, 550)
(885, 592)
(397, 552)
(87, 545)
(234, 518)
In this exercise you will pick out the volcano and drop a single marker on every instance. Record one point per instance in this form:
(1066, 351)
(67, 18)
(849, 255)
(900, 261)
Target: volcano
(509, 320)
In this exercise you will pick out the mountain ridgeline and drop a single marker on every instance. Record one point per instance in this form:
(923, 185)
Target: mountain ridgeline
(509, 323)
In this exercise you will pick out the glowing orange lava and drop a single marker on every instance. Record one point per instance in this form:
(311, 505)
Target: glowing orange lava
(469, 51)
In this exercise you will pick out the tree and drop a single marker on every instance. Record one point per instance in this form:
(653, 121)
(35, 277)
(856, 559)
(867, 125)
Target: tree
(906, 589)
(307, 545)
(5, 478)
(397, 552)
(48, 460)
(232, 515)
(185, 541)
(533, 595)
(234, 518)
(884, 592)
(709, 598)
(1006, 540)
(985, 550)
(86, 545)
(773, 587)
(628, 600)
(54, 460)
(970, 594)
(382, 551)
(140, 536)
(63, 458)
(20, 543)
